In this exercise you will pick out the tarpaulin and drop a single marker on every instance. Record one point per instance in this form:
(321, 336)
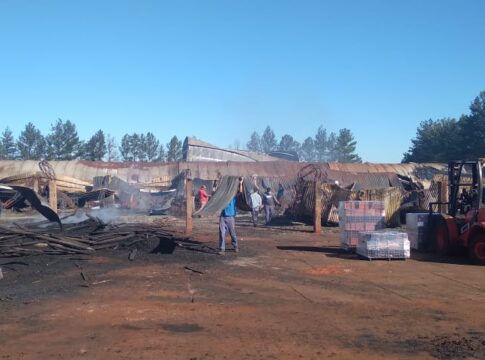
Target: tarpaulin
(226, 189)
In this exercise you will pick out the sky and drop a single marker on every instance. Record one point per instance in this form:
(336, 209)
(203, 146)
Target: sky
(219, 70)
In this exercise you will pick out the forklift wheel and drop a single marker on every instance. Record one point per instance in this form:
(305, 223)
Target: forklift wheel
(476, 249)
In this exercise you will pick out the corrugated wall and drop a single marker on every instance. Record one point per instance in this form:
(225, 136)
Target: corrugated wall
(146, 172)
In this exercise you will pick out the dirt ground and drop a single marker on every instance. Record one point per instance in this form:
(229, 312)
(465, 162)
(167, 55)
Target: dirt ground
(288, 294)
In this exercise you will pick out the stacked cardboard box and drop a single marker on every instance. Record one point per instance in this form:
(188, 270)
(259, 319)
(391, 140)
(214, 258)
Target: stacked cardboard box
(358, 216)
(384, 245)
(417, 229)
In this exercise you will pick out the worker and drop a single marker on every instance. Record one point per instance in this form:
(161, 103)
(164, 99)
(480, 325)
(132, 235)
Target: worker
(227, 222)
(269, 201)
(464, 201)
(203, 197)
(256, 203)
(280, 193)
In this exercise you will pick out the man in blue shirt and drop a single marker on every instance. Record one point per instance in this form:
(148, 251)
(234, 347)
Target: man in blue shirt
(227, 222)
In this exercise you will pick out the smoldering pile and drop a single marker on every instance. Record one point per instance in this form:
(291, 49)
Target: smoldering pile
(84, 237)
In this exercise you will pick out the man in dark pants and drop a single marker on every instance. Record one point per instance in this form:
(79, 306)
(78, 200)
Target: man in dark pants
(227, 222)
(269, 200)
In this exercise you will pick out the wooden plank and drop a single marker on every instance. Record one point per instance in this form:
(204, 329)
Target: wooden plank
(317, 212)
(53, 195)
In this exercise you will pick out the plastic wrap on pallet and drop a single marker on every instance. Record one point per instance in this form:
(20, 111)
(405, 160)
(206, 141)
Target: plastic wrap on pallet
(357, 216)
(384, 245)
(417, 228)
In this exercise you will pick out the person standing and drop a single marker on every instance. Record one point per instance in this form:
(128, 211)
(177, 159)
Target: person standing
(280, 193)
(203, 197)
(269, 200)
(227, 222)
(256, 203)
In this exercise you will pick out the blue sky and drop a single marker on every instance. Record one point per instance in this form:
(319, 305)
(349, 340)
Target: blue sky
(219, 70)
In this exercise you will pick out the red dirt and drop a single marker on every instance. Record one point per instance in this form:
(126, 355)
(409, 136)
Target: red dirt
(288, 294)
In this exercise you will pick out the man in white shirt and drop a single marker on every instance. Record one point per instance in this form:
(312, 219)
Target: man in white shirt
(256, 203)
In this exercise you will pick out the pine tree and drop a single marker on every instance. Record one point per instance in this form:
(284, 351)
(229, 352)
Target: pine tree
(436, 141)
(162, 156)
(8, 150)
(331, 154)
(31, 144)
(472, 131)
(151, 147)
(95, 148)
(268, 140)
(254, 143)
(174, 150)
(63, 141)
(287, 143)
(345, 147)
(321, 144)
(126, 149)
(307, 150)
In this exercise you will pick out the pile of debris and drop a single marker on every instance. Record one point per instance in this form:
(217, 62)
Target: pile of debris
(82, 238)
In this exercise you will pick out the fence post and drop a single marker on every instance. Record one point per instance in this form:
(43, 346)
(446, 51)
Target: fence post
(189, 207)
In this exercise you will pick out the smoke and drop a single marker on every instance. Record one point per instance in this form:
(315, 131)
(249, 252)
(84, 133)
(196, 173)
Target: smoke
(106, 215)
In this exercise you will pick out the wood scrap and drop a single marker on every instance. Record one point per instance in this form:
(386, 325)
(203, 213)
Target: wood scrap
(132, 254)
(81, 238)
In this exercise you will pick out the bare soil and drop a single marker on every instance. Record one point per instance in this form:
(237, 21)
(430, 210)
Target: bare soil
(288, 294)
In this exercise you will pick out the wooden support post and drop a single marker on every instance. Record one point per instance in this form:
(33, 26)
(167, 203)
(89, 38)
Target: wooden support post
(443, 195)
(190, 206)
(53, 195)
(36, 184)
(317, 213)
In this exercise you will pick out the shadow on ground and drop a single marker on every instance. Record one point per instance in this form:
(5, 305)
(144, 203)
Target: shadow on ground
(319, 249)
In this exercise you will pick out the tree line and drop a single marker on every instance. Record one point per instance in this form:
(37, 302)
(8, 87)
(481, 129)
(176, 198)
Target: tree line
(322, 147)
(63, 143)
(448, 139)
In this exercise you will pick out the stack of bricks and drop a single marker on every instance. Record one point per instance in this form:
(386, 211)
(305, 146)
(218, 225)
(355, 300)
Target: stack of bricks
(358, 216)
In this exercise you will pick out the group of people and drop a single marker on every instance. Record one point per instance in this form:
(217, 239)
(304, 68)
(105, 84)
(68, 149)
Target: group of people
(266, 202)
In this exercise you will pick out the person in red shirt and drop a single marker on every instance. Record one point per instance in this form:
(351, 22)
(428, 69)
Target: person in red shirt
(203, 197)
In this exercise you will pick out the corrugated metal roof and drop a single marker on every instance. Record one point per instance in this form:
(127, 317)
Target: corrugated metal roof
(147, 172)
(197, 150)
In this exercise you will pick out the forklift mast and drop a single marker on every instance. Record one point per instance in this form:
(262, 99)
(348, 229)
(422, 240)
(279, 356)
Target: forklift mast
(456, 172)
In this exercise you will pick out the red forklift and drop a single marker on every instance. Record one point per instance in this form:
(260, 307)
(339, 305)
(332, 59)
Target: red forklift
(463, 226)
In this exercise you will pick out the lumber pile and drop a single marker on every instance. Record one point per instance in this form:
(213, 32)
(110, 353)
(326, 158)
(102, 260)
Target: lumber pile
(81, 238)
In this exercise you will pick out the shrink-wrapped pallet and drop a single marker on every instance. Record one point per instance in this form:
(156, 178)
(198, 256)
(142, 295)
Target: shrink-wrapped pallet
(384, 244)
(358, 216)
(417, 229)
